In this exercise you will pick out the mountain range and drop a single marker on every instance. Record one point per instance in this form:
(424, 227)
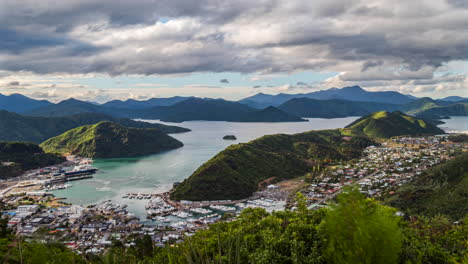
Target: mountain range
(331, 103)
(19, 103)
(351, 93)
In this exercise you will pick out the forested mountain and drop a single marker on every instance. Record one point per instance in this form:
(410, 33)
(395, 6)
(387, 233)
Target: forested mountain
(389, 124)
(17, 157)
(437, 112)
(15, 127)
(439, 190)
(235, 172)
(109, 140)
(19, 103)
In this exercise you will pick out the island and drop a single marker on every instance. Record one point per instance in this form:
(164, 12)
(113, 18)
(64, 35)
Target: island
(229, 137)
(110, 140)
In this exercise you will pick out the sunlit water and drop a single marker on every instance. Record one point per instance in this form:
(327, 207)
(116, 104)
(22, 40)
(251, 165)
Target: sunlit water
(157, 173)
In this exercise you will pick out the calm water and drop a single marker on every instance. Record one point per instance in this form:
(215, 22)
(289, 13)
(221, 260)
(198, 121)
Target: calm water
(455, 124)
(157, 173)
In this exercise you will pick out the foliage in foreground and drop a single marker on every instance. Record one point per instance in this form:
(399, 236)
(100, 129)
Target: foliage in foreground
(356, 230)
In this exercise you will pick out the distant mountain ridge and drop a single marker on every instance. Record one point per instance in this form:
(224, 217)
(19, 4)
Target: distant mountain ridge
(218, 110)
(332, 103)
(19, 103)
(333, 108)
(454, 98)
(153, 102)
(110, 140)
(351, 93)
(16, 127)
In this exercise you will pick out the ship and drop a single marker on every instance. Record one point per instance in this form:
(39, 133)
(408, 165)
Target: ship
(80, 170)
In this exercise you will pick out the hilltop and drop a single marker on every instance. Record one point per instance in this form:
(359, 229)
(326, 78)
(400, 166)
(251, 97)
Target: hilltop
(389, 124)
(440, 190)
(236, 172)
(19, 103)
(15, 127)
(17, 157)
(110, 140)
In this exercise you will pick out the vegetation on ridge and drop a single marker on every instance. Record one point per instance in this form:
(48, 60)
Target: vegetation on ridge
(17, 157)
(439, 190)
(236, 172)
(110, 140)
(384, 124)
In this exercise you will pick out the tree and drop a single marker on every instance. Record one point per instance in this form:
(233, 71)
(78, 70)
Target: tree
(360, 230)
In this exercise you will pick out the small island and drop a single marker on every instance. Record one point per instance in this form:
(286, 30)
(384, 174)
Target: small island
(229, 137)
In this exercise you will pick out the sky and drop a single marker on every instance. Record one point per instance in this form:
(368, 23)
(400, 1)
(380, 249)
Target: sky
(100, 50)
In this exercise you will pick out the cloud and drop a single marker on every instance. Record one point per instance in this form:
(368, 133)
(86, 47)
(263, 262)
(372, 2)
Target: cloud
(200, 86)
(368, 41)
(224, 81)
(14, 83)
(46, 95)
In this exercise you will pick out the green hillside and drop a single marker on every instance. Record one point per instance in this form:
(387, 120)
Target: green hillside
(110, 140)
(440, 190)
(15, 127)
(389, 124)
(17, 157)
(237, 171)
(458, 109)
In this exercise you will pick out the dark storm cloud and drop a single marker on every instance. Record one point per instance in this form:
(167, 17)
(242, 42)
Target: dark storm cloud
(224, 81)
(15, 41)
(125, 37)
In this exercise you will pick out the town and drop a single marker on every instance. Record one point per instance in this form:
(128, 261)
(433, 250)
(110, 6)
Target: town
(33, 212)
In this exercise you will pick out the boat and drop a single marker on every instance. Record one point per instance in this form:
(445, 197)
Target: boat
(200, 211)
(182, 214)
(80, 170)
(162, 219)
